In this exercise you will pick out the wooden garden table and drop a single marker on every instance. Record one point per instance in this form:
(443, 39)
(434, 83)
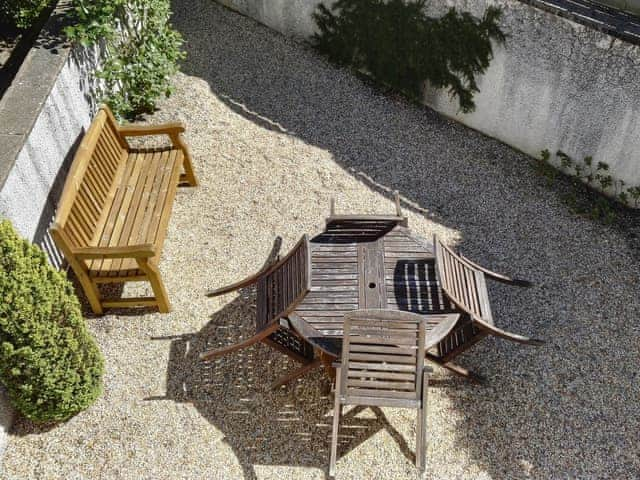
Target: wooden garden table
(363, 263)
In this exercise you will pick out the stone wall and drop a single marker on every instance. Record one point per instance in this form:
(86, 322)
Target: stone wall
(44, 113)
(556, 84)
(34, 182)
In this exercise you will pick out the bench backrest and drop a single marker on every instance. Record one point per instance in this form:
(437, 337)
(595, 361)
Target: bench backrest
(382, 357)
(284, 285)
(88, 190)
(463, 284)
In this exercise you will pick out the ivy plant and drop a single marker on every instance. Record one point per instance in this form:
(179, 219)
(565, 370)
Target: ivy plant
(398, 44)
(141, 48)
(588, 177)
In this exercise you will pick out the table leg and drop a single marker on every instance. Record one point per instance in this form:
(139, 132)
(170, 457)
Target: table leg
(297, 373)
(327, 362)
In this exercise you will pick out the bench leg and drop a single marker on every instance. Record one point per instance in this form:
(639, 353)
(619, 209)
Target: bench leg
(79, 268)
(153, 274)
(92, 293)
(188, 176)
(89, 287)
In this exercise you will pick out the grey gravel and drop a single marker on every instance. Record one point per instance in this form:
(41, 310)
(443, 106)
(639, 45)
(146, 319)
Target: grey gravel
(275, 132)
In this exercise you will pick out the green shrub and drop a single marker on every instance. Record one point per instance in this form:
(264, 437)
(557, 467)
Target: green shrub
(142, 51)
(400, 46)
(589, 183)
(21, 13)
(140, 72)
(49, 362)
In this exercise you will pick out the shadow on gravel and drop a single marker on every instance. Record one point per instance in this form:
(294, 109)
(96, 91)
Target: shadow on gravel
(287, 426)
(564, 410)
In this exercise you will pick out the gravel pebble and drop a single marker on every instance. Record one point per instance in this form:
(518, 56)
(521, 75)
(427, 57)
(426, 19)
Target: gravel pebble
(275, 132)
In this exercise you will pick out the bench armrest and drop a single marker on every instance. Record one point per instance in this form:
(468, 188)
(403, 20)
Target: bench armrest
(170, 129)
(133, 251)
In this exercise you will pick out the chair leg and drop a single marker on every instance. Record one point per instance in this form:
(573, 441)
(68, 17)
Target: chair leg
(457, 369)
(336, 421)
(153, 274)
(421, 430)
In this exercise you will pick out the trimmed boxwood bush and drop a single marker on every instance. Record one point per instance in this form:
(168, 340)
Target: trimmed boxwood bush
(49, 362)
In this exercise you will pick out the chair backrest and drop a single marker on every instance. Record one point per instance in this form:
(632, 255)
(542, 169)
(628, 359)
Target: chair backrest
(462, 283)
(87, 191)
(284, 285)
(350, 228)
(363, 227)
(382, 358)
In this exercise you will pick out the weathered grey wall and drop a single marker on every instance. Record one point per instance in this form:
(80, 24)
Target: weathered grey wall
(42, 115)
(632, 6)
(555, 84)
(6, 419)
(33, 185)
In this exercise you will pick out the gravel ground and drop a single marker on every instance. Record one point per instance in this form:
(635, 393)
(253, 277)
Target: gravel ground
(275, 132)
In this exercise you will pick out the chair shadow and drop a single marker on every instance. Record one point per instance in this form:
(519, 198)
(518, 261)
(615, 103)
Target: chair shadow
(290, 425)
(540, 407)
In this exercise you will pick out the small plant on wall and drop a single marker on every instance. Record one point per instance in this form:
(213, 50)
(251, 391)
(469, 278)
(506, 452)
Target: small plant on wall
(141, 50)
(400, 46)
(587, 179)
(50, 364)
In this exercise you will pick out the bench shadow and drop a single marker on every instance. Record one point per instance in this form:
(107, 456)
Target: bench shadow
(290, 425)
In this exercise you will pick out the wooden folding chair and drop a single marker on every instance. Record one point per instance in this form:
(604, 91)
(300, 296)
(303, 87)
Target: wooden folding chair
(382, 364)
(280, 287)
(463, 282)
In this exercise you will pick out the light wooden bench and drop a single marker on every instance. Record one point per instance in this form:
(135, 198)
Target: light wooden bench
(113, 214)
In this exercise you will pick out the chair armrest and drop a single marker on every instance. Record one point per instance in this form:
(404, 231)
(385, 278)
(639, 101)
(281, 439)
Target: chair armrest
(133, 251)
(498, 276)
(244, 283)
(172, 128)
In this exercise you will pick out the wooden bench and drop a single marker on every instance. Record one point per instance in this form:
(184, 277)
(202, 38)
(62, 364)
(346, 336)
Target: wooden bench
(113, 214)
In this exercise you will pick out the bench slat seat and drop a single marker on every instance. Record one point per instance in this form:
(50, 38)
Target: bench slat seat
(141, 200)
(114, 211)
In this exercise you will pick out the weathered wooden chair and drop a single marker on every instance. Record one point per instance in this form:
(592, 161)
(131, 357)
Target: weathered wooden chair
(383, 365)
(114, 211)
(463, 282)
(280, 287)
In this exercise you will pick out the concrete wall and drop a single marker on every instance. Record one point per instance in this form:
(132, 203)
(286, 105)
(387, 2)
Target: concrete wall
(632, 6)
(555, 84)
(34, 183)
(6, 419)
(43, 115)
